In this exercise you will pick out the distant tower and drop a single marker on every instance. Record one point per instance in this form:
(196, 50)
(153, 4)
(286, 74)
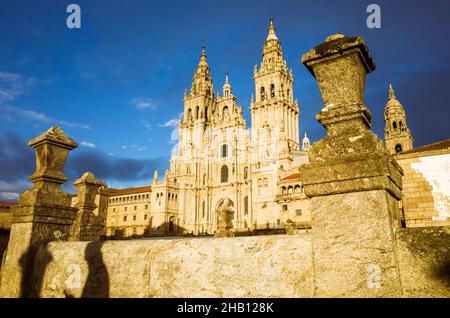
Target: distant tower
(397, 135)
(199, 100)
(305, 143)
(274, 105)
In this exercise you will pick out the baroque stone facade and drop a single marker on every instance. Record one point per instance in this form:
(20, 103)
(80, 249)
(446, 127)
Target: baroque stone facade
(219, 158)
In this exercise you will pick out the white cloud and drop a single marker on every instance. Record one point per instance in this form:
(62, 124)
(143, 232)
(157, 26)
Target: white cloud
(9, 195)
(143, 103)
(87, 144)
(12, 190)
(41, 117)
(138, 147)
(147, 125)
(13, 85)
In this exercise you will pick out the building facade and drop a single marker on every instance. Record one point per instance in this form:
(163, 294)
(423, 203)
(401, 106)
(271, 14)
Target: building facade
(219, 158)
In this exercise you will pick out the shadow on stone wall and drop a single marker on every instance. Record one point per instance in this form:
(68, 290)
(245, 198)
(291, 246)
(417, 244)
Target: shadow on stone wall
(39, 269)
(4, 238)
(425, 260)
(97, 282)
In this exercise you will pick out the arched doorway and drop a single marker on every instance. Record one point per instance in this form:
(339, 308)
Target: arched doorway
(172, 224)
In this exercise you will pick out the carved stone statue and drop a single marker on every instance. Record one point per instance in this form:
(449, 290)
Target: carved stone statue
(225, 212)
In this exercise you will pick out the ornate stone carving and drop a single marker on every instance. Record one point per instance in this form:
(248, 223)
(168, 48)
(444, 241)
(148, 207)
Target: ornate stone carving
(225, 212)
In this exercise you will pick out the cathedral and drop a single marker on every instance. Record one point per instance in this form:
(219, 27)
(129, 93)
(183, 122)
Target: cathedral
(220, 160)
(253, 171)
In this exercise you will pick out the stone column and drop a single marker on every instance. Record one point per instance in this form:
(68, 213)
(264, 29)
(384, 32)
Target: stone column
(353, 182)
(87, 225)
(42, 215)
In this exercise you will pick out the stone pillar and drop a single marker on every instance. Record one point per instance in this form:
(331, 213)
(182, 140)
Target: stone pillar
(42, 215)
(353, 182)
(87, 225)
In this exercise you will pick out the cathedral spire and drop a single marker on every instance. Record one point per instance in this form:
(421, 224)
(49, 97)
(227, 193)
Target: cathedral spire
(202, 81)
(391, 91)
(226, 87)
(272, 34)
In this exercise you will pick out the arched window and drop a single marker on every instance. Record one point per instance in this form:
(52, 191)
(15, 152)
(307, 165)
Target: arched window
(224, 174)
(272, 90)
(288, 93)
(398, 148)
(290, 189)
(394, 125)
(400, 125)
(204, 179)
(224, 112)
(297, 189)
(283, 190)
(245, 173)
(245, 205)
(206, 113)
(263, 93)
(189, 114)
(197, 110)
(224, 151)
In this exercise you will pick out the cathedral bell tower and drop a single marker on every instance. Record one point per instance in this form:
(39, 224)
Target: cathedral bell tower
(198, 103)
(274, 107)
(397, 135)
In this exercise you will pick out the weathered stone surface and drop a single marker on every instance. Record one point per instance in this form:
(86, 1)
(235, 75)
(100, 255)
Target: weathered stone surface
(87, 225)
(353, 181)
(269, 266)
(42, 215)
(264, 266)
(352, 238)
(424, 259)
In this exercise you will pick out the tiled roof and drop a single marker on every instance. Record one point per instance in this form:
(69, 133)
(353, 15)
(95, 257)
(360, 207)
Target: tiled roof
(117, 192)
(293, 176)
(6, 204)
(441, 145)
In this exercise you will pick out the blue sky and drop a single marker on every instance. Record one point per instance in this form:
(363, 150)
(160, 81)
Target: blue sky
(114, 84)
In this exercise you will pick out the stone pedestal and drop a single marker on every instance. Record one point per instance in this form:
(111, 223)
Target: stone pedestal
(225, 214)
(42, 215)
(353, 182)
(87, 225)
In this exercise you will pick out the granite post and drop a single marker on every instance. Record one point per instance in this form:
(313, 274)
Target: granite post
(42, 215)
(353, 182)
(87, 226)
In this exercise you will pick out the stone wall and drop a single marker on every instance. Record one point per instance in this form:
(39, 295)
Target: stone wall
(264, 266)
(426, 190)
(424, 259)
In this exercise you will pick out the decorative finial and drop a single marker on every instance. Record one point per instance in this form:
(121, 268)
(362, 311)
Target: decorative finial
(272, 35)
(226, 78)
(391, 91)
